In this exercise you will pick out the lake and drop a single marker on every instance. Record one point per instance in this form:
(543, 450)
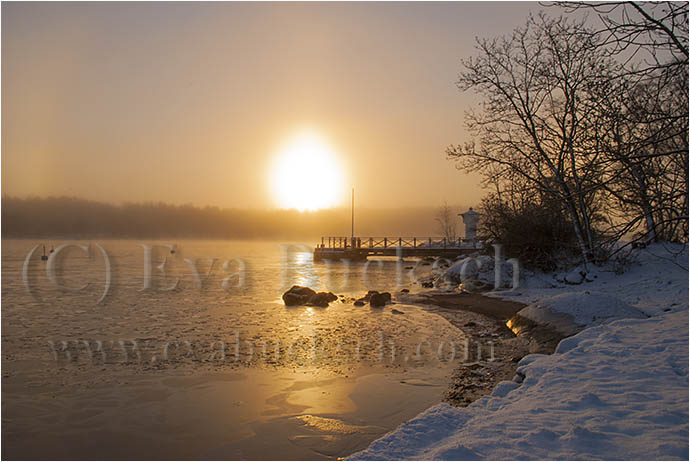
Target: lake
(192, 354)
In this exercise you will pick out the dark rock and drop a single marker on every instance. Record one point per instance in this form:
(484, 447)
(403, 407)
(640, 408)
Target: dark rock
(405, 291)
(322, 299)
(470, 324)
(394, 311)
(381, 299)
(367, 297)
(427, 284)
(302, 290)
(360, 302)
(293, 299)
(298, 295)
(377, 301)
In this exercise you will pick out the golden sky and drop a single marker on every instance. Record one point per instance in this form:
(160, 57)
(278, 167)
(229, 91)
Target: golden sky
(192, 102)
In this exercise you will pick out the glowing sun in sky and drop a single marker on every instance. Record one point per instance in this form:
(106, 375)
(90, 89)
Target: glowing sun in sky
(307, 174)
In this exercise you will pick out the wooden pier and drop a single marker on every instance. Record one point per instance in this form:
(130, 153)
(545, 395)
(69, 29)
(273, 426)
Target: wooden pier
(359, 248)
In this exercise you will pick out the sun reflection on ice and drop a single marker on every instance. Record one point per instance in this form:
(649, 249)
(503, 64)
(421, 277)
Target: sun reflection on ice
(302, 271)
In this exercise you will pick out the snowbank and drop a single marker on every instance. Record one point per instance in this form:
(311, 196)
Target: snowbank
(569, 312)
(615, 391)
(656, 282)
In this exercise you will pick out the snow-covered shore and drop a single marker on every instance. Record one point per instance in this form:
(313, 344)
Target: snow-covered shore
(616, 390)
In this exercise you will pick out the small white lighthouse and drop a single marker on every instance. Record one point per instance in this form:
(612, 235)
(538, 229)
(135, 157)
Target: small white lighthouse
(470, 219)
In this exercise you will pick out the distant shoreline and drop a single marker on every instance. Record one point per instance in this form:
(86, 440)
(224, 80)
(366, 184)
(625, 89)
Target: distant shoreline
(75, 218)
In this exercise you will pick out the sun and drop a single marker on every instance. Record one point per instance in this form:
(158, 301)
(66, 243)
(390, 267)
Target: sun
(307, 175)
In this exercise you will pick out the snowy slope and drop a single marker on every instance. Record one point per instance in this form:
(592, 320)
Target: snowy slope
(617, 390)
(569, 312)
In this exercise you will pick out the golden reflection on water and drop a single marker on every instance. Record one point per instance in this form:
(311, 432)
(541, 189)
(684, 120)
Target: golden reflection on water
(325, 424)
(304, 272)
(302, 257)
(306, 319)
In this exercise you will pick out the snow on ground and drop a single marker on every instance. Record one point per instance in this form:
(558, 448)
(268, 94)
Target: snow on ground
(617, 390)
(569, 312)
(656, 281)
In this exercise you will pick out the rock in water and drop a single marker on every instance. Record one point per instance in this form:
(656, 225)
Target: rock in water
(298, 295)
(367, 297)
(381, 299)
(374, 298)
(291, 299)
(322, 299)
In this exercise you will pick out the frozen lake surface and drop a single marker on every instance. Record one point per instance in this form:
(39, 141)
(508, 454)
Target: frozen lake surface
(211, 371)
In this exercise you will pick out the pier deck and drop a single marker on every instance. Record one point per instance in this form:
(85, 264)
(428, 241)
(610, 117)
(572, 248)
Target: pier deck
(359, 248)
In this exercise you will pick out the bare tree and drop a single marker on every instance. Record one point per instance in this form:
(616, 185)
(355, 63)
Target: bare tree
(593, 122)
(447, 222)
(642, 114)
(642, 135)
(533, 125)
(650, 35)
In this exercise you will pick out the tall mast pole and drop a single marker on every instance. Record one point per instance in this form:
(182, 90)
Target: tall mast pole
(353, 213)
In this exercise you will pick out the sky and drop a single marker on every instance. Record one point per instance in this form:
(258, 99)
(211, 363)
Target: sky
(194, 102)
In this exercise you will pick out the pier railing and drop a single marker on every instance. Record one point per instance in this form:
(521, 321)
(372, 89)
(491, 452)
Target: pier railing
(343, 242)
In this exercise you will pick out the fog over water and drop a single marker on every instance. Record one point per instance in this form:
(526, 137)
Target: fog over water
(74, 218)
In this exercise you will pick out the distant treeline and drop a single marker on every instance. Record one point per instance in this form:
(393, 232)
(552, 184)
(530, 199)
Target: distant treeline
(69, 217)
